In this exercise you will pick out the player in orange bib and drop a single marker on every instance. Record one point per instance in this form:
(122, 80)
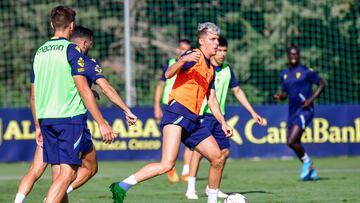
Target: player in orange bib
(181, 123)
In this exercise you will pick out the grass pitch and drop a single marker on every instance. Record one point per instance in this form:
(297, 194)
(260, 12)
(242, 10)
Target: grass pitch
(259, 181)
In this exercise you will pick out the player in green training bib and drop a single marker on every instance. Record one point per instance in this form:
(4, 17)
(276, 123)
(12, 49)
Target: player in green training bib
(83, 38)
(162, 91)
(60, 100)
(224, 79)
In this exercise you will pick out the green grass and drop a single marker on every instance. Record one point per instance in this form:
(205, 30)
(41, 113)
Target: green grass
(259, 181)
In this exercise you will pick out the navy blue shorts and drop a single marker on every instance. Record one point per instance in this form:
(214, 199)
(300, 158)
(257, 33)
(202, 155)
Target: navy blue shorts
(302, 118)
(87, 142)
(210, 122)
(192, 131)
(65, 143)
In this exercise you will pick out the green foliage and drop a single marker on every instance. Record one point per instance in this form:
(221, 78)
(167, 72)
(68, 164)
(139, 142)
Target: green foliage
(258, 33)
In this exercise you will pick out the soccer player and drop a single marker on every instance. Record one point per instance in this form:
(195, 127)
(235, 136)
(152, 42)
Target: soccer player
(180, 123)
(162, 91)
(296, 82)
(83, 38)
(224, 79)
(60, 97)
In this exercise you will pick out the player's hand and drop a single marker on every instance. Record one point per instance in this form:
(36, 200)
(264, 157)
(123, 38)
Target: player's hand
(39, 137)
(306, 103)
(192, 57)
(158, 114)
(227, 130)
(107, 133)
(277, 97)
(130, 118)
(96, 94)
(258, 119)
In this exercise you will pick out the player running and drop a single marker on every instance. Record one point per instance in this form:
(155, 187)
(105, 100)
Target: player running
(296, 82)
(162, 91)
(180, 122)
(224, 79)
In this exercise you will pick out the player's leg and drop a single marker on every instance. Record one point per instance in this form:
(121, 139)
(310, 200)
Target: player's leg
(89, 165)
(62, 148)
(223, 143)
(194, 167)
(294, 142)
(186, 167)
(86, 171)
(57, 190)
(35, 171)
(226, 153)
(210, 150)
(170, 149)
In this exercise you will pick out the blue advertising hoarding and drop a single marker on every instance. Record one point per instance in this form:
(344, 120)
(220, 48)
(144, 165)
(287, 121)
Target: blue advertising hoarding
(335, 131)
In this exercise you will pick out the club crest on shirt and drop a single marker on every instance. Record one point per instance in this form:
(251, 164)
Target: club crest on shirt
(81, 62)
(298, 75)
(285, 76)
(98, 69)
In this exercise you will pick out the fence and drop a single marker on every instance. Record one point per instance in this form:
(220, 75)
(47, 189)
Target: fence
(258, 33)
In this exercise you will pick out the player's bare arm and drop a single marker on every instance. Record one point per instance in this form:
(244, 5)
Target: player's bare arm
(241, 97)
(279, 97)
(320, 88)
(157, 98)
(215, 109)
(115, 98)
(175, 68)
(90, 103)
(38, 135)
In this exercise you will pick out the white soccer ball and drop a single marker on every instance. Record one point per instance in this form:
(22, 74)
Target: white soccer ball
(236, 198)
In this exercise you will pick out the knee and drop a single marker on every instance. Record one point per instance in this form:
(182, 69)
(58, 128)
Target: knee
(166, 167)
(218, 161)
(68, 175)
(291, 143)
(94, 170)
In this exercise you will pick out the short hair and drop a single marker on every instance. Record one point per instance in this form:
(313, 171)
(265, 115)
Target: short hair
(204, 28)
(185, 41)
(62, 16)
(82, 32)
(293, 49)
(222, 42)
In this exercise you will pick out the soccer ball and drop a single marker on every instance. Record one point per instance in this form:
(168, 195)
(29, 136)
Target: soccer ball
(236, 198)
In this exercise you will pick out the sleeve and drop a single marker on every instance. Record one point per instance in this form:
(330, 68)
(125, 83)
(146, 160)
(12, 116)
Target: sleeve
(32, 74)
(187, 65)
(233, 81)
(164, 68)
(76, 60)
(93, 70)
(312, 76)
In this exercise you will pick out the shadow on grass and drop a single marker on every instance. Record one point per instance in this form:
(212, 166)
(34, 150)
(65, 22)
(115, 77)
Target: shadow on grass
(319, 179)
(250, 192)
